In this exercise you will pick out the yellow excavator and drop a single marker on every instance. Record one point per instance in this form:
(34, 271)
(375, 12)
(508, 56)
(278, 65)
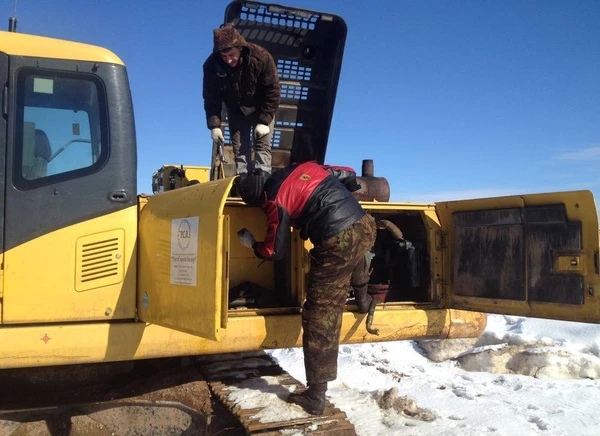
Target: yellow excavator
(93, 272)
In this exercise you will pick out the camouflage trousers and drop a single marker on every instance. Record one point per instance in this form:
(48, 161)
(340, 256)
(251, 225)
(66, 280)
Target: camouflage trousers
(333, 264)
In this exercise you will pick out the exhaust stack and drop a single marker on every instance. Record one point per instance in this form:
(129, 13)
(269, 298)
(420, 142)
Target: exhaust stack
(372, 188)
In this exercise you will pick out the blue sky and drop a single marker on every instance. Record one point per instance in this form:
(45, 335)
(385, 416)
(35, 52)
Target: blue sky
(451, 99)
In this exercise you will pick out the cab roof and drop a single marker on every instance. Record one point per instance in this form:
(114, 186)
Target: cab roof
(20, 44)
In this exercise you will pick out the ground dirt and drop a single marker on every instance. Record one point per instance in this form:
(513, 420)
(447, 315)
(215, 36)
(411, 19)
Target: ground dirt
(151, 398)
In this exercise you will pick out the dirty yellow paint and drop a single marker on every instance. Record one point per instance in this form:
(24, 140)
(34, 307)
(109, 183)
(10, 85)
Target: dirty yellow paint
(108, 342)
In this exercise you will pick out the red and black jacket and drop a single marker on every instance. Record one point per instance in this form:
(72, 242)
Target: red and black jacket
(316, 199)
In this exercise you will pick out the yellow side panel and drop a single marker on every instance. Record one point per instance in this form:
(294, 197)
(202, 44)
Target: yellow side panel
(21, 44)
(108, 342)
(48, 279)
(181, 259)
(580, 263)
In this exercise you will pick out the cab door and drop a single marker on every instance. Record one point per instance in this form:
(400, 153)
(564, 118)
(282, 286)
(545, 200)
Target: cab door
(183, 258)
(528, 255)
(70, 210)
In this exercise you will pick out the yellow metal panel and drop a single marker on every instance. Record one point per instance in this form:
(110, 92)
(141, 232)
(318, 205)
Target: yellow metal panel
(226, 267)
(201, 174)
(40, 275)
(181, 260)
(142, 201)
(99, 261)
(108, 342)
(396, 207)
(1, 283)
(21, 44)
(246, 266)
(580, 206)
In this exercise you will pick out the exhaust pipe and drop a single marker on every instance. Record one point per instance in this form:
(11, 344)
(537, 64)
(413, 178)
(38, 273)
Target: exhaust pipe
(372, 188)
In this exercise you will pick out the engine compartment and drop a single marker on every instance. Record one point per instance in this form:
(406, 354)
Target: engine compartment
(400, 263)
(400, 257)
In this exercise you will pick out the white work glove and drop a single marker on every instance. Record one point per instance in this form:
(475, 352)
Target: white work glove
(261, 130)
(246, 238)
(217, 135)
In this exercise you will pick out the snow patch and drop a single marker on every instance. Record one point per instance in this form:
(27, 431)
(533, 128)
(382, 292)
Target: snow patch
(499, 395)
(531, 347)
(267, 396)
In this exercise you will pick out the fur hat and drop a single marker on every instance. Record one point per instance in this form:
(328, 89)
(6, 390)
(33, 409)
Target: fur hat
(225, 37)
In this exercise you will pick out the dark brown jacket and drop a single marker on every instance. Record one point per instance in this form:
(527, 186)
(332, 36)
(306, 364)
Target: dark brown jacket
(252, 86)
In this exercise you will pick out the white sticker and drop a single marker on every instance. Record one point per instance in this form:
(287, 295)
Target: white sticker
(44, 86)
(184, 251)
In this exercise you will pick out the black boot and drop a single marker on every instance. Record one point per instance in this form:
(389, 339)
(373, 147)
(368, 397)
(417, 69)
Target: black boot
(311, 400)
(363, 300)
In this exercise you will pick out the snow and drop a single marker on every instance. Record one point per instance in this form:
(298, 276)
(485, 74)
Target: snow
(523, 376)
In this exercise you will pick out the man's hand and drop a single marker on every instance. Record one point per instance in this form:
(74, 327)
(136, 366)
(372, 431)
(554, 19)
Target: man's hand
(261, 130)
(217, 135)
(246, 238)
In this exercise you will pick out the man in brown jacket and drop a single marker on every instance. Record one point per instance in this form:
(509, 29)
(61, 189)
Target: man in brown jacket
(244, 77)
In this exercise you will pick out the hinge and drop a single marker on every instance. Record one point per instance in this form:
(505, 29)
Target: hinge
(441, 239)
(441, 290)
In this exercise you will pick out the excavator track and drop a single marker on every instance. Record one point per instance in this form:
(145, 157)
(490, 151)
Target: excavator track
(226, 394)
(254, 387)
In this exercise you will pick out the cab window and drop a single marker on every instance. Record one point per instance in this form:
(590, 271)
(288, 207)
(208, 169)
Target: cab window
(61, 127)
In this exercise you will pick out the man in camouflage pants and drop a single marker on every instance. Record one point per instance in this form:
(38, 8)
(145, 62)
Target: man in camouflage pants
(317, 200)
(331, 267)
